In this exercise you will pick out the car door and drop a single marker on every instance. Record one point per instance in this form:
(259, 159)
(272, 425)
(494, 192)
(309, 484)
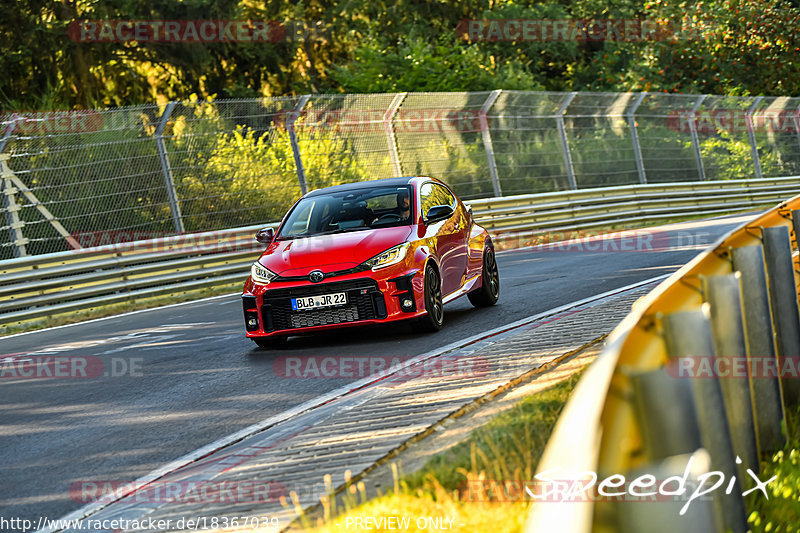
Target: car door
(450, 235)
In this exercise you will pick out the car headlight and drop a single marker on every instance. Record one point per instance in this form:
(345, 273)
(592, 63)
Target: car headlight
(261, 274)
(392, 256)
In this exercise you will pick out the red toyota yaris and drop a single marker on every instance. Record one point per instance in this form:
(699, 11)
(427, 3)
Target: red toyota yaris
(368, 253)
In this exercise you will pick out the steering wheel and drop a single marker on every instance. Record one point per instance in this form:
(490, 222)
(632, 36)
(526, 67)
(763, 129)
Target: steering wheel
(389, 217)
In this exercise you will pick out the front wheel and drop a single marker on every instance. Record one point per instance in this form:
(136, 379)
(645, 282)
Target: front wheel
(270, 343)
(434, 318)
(489, 291)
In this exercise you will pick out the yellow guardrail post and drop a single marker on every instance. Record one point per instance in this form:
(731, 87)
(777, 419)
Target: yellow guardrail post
(688, 335)
(767, 398)
(723, 293)
(785, 312)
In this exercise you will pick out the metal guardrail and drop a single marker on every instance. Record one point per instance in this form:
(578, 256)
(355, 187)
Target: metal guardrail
(47, 285)
(52, 284)
(639, 409)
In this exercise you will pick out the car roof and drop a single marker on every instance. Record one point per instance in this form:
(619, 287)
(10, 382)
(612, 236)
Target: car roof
(390, 182)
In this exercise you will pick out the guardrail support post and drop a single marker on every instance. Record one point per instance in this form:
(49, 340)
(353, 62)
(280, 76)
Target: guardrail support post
(698, 155)
(487, 141)
(723, 293)
(748, 117)
(660, 516)
(658, 419)
(391, 140)
(796, 231)
(562, 134)
(767, 398)
(785, 312)
(169, 182)
(688, 334)
(637, 149)
(301, 172)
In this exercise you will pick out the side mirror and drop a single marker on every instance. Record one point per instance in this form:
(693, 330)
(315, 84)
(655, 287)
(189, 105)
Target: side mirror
(469, 211)
(265, 236)
(438, 212)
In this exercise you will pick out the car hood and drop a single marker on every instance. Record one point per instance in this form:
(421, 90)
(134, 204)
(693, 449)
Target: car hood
(329, 253)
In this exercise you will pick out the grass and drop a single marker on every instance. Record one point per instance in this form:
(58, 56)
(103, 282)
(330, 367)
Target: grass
(119, 308)
(460, 483)
(781, 512)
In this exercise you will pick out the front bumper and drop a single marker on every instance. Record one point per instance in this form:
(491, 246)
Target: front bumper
(268, 310)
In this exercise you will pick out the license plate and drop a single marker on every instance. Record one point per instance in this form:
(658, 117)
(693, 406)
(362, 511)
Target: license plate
(315, 302)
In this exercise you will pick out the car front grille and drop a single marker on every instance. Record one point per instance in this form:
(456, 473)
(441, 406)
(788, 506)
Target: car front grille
(321, 317)
(364, 302)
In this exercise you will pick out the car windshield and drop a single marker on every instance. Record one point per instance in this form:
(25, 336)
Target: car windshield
(350, 210)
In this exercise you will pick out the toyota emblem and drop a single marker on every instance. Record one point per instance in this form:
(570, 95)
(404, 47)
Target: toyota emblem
(316, 276)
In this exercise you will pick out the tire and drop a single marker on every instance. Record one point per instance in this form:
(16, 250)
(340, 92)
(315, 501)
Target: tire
(433, 320)
(489, 291)
(270, 343)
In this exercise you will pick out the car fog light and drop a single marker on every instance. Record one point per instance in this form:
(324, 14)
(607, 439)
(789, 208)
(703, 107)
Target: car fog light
(252, 322)
(407, 303)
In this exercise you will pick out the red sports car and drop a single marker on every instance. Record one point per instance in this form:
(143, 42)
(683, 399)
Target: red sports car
(368, 253)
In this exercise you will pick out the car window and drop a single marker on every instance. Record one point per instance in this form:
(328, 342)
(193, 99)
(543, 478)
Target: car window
(433, 194)
(349, 210)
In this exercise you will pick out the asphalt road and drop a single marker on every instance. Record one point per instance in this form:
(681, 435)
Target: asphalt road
(174, 379)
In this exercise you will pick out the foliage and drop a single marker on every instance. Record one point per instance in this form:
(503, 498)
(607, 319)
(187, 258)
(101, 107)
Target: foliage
(744, 47)
(779, 512)
(250, 177)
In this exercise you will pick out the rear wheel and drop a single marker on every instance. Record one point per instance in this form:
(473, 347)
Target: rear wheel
(270, 343)
(434, 318)
(489, 291)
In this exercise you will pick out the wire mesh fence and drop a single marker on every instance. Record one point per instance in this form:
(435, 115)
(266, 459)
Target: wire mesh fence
(78, 179)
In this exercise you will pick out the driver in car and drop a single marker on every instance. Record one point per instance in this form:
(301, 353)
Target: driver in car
(402, 213)
(403, 205)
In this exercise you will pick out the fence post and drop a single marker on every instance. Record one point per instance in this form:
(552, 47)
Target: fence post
(637, 149)
(10, 205)
(698, 156)
(562, 133)
(301, 172)
(169, 182)
(748, 117)
(796, 120)
(388, 127)
(487, 141)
